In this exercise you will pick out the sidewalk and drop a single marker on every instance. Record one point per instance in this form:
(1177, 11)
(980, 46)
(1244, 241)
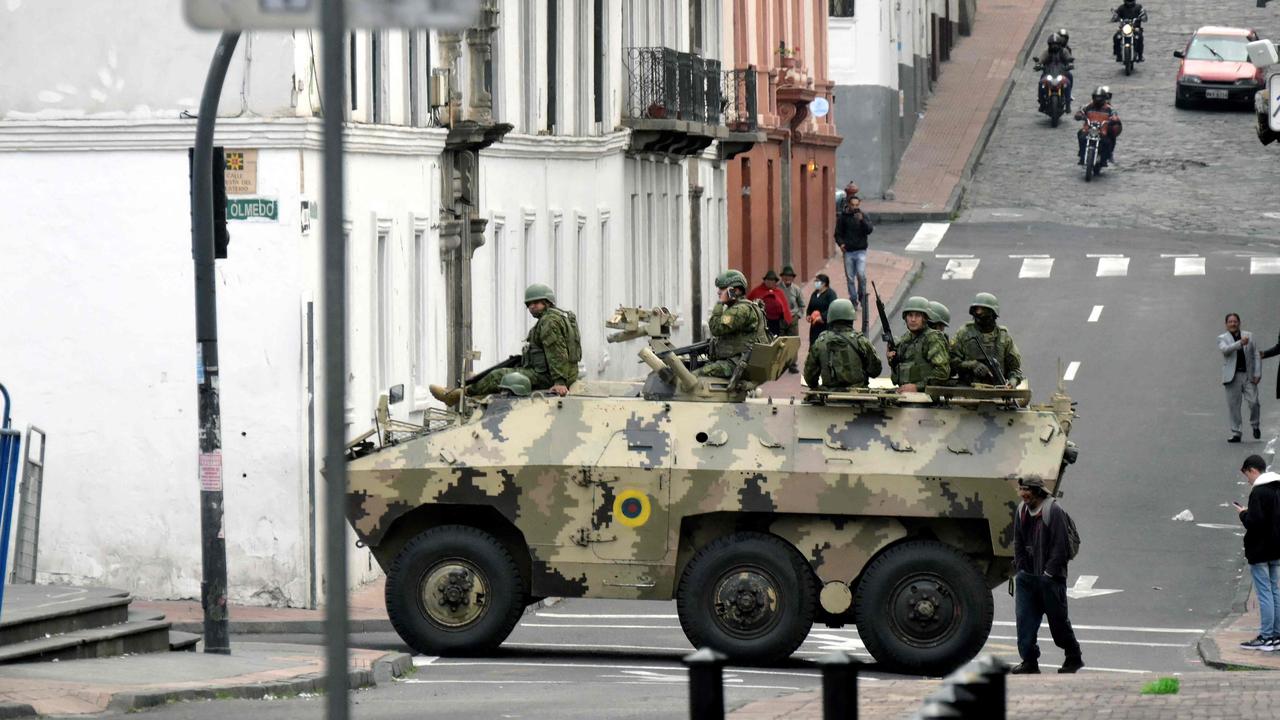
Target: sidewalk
(368, 613)
(1220, 648)
(967, 99)
(1253, 695)
(137, 682)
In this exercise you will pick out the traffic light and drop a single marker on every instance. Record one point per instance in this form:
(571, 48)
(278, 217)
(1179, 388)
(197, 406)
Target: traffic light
(221, 238)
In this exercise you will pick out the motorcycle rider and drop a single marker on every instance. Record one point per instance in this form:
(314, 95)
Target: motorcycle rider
(1100, 110)
(1060, 55)
(1131, 10)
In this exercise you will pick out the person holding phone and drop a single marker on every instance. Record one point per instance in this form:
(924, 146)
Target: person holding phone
(1261, 520)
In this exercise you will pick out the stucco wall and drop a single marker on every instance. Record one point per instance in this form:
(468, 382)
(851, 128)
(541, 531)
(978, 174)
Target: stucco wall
(874, 143)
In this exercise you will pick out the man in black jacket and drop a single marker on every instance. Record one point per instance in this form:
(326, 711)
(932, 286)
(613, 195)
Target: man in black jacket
(1040, 556)
(1261, 522)
(1271, 352)
(852, 229)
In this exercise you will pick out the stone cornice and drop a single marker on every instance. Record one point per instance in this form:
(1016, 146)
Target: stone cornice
(561, 147)
(116, 135)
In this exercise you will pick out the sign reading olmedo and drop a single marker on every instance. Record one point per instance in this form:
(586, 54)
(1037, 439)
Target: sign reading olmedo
(253, 209)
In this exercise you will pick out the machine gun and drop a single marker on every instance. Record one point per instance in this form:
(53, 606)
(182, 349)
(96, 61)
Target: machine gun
(886, 334)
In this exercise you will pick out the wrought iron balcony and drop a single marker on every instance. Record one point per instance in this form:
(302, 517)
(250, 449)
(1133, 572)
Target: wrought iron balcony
(666, 84)
(740, 100)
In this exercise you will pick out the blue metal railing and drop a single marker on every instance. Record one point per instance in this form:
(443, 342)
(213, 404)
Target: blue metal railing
(10, 440)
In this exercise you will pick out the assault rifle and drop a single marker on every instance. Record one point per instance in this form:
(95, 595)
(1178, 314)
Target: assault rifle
(991, 363)
(513, 361)
(886, 334)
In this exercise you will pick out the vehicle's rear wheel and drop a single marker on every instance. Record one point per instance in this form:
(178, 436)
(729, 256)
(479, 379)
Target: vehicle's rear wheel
(749, 595)
(923, 607)
(454, 590)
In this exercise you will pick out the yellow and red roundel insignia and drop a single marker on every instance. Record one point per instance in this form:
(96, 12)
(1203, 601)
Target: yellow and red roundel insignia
(631, 508)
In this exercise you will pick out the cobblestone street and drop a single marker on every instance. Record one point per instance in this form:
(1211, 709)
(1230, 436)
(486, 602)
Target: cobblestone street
(1197, 170)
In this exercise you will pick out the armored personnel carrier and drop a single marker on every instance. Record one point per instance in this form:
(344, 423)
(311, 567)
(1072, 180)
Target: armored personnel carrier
(759, 516)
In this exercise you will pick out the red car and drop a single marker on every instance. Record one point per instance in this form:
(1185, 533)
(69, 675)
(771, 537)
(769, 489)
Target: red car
(1215, 66)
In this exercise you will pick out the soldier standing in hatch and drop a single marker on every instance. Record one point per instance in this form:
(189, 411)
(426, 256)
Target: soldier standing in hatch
(551, 353)
(921, 358)
(981, 342)
(735, 325)
(842, 357)
(939, 319)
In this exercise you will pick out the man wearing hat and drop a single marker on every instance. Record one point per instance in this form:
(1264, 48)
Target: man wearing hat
(1041, 550)
(795, 303)
(777, 310)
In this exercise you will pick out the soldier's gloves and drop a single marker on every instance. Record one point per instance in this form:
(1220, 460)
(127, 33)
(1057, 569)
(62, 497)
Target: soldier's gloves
(982, 372)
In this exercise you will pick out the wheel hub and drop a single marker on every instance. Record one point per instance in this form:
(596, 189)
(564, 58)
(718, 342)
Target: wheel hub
(453, 593)
(923, 610)
(746, 602)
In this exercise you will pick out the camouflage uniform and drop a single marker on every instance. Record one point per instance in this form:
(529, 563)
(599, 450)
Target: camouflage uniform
(547, 357)
(966, 356)
(922, 359)
(841, 358)
(734, 329)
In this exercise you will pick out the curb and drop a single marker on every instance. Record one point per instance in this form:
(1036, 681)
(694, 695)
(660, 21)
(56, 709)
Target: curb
(385, 668)
(314, 627)
(1207, 645)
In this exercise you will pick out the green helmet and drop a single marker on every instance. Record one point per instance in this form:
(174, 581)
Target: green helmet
(840, 309)
(938, 313)
(731, 278)
(516, 384)
(538, 291)
(986, 300)
(915, 303)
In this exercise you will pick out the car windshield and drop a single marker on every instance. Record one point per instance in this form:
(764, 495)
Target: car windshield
(1218, 47)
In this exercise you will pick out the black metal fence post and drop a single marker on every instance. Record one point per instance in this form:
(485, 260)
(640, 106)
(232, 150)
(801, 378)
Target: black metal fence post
(996, 671)
(839, 686)
(706, 684)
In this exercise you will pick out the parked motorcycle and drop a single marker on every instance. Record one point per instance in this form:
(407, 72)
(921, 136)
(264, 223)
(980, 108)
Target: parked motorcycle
(1129, 32)
(1053, 90)
(1092, 150)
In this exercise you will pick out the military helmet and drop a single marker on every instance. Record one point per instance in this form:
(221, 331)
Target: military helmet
(916, 303)
(841, 309)
(731, 278)
(538, 291)
(986, 300)
(938, 313)
(516, 383)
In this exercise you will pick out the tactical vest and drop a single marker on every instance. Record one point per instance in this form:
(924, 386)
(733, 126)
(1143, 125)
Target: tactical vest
(840, 360)
(970, 337)
(913, 366)
(535, 354)
(726, 347)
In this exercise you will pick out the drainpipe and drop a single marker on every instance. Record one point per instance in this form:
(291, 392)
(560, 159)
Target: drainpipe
(786, 201)
(695, 260)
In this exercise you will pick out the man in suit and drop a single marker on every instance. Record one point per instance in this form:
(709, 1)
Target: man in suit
(1241, 373)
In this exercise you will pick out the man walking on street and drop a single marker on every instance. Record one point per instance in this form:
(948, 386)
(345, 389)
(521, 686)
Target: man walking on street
(1041, 550)
(852, 229)
(1261, 522)
(1241, 373)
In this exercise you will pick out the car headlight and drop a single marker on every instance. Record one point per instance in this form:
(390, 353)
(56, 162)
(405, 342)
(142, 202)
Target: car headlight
(1248, 82)
(1191, 79)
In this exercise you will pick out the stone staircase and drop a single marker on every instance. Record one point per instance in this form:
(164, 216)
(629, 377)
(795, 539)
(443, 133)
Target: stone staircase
(53, 622)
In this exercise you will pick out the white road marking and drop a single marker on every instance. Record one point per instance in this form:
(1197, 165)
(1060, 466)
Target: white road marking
(1103, 255)
(1113, 266)
(1084, 588)
(735, 687)
(1188, 266)
(1218, 526)
(602, 666)
(608, 616)
(1118, 670)
(1037, 267)
(415, 681)
(1020, 257)
(598, 627)
(1177, 255)
(1099, 642)
(1072, 369)
(960, 269)
(927, 237)
(1120, 628)
(1097, 313)
(835, 642)
(1264, 266)
(941, 256)
(424, 660)
(594, 646)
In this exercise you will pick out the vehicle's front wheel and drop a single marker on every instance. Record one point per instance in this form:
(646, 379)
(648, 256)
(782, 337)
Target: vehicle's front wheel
(749, 595)
(923, 607)
(454, 590)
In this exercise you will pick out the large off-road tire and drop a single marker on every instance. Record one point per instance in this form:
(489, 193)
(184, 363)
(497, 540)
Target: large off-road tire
(749, 595)
(923, 607)
(454, 590)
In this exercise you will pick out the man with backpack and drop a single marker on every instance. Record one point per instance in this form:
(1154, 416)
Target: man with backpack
(1044, 541)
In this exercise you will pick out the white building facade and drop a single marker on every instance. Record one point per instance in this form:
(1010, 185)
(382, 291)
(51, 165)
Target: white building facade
(98, 274)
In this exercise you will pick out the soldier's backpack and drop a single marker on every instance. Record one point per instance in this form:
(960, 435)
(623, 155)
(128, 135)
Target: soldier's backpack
(1073, 535)
(575, 338)
(846, 363)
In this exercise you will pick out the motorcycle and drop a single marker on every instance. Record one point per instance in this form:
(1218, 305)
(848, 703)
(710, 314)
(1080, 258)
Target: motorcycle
(1129, 31)
(1092, 150)
(1053, 96)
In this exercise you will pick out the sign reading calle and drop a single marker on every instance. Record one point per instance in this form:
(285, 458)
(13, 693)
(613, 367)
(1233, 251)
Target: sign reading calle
(241, 171)
(253, 209)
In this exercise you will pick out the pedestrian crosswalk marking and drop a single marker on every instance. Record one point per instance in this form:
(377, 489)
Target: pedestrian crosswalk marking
(1072, 369)
(1188, 266)
(927, 237)
(960, 269)
(1113, 266)
(1097, 313)
(1038, 267)
(1264, 266)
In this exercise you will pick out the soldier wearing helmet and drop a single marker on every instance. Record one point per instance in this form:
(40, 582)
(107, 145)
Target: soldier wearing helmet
(735, 325)
(842, 357)
(981, 342)
(550, 357)
(939, 318)
(921, 358)
(1100, 111)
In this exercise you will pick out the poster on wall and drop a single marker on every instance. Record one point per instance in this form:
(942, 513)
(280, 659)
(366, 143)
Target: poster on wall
(241, 172)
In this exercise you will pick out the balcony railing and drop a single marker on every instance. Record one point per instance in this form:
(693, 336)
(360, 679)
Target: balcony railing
(740, 100)
(665, 84)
